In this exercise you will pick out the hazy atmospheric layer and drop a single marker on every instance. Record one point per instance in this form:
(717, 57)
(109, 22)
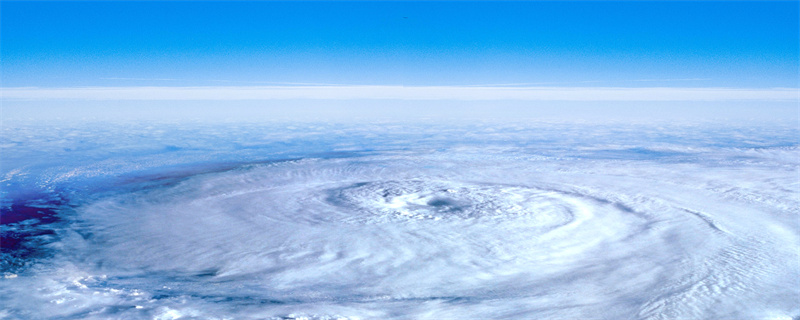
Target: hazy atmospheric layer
(398, 220)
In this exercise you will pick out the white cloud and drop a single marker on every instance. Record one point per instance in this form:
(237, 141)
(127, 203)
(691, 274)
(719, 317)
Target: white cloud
(402, 93)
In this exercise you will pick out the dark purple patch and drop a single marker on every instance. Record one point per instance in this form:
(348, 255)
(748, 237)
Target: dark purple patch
(32, 218)
(20, 212)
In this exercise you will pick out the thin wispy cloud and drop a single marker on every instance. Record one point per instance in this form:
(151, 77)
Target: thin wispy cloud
(584, 82)
(140, 79)
(350, 92)
(671, 80)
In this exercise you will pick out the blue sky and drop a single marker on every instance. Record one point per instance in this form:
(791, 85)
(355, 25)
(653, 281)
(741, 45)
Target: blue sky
(588, 43)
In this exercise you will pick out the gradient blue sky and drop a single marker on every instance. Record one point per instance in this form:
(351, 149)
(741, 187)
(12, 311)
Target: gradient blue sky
(588, 43)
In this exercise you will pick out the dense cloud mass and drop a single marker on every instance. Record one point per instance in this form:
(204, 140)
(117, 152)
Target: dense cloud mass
(400, 220)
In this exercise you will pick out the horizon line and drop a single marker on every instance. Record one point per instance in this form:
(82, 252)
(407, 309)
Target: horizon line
(400, 92)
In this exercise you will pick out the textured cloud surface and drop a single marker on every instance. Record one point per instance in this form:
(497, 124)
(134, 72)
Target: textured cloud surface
(399, 220)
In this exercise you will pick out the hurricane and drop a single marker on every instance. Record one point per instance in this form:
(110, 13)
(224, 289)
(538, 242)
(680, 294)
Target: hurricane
(400, 221)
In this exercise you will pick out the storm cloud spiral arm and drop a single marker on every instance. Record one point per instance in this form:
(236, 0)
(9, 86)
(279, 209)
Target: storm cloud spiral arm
(443, 230)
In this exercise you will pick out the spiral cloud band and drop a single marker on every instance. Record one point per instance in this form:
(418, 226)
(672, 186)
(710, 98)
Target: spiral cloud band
(442, 230)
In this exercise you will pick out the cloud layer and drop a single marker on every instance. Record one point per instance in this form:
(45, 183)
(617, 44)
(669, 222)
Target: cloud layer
(463, 93)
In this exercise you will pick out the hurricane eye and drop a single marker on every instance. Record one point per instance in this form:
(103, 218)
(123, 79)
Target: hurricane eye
(441, 202)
